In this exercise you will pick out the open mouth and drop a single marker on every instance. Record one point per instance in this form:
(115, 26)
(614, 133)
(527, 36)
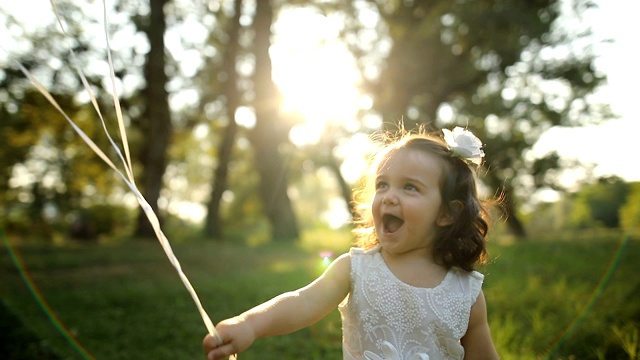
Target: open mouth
(391, 223)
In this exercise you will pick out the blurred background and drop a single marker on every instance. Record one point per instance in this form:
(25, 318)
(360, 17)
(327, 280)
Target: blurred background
(249, 124)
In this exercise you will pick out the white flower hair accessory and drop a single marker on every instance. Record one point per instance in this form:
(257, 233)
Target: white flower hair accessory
(464, 144)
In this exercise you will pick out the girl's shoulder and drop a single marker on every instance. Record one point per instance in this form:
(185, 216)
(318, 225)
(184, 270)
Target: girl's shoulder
(355, 251)
(469, 282)
(470, 276)
(361, 259)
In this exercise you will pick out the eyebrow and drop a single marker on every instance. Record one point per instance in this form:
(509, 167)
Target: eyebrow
(415, 180)
(404, 179)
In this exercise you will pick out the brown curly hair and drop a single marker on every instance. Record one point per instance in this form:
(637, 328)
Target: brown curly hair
(463, 242)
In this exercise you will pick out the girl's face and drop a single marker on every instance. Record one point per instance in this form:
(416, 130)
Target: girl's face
(406, 207)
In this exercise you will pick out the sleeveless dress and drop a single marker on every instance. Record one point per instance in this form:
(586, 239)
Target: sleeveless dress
(385, 318)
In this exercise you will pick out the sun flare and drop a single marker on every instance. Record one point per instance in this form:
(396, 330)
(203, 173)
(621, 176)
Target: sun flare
(315, 72)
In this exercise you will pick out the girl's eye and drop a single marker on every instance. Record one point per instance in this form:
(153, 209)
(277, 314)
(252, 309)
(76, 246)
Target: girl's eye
(381, 185)
(410, 187)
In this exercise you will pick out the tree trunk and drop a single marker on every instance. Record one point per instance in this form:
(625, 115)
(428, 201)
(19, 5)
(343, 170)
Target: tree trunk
(513, 222)
(213, 221)
(325, 157)
(270, 133)
(345, 188)
(156, 122)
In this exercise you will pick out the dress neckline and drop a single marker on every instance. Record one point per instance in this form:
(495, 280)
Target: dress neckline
(397, 280)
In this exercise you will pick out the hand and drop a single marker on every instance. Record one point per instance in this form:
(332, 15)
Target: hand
(237, 335)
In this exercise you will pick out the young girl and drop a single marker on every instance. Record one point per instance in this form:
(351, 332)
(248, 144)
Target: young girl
(409, 290)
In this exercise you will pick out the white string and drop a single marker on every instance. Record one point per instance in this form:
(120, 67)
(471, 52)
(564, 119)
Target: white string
(126, 159)
(94, 102)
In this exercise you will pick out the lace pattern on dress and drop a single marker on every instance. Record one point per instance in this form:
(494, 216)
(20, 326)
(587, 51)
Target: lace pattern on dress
(383, 315)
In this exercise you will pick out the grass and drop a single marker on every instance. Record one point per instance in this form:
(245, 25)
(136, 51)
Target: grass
(125, 301)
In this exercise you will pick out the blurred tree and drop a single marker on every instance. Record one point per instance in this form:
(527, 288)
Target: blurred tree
(243, 209)
(630, 211)
(213, 222)
(129, 57)
(548, 217)
(503, 69)
(156, 119)
(323, 156)
(34, 153)
(45, 166)
(48, 169)
(270, 134)
(17, 137)
(150, 125)
(599, 204)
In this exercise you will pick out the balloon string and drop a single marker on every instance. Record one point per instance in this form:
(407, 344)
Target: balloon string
(126, 159)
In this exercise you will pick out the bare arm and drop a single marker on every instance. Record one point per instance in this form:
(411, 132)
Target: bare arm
(283, 314)
(477, 341)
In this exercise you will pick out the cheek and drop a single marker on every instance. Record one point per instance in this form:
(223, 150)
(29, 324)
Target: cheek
(375, 202)
(373, 208)
(426, 212)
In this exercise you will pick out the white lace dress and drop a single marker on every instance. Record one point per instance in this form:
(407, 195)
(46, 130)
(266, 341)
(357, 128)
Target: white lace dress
(385, 318)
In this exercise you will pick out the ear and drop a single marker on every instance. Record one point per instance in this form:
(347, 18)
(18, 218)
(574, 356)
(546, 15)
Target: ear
(446, 217)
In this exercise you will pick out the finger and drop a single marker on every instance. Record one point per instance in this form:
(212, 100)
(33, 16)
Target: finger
(209, 343)
(223, 351)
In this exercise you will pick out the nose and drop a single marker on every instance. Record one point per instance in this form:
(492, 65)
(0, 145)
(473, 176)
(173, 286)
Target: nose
(390, 198)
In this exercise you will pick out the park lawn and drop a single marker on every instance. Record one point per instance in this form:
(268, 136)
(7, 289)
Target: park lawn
(125, 300)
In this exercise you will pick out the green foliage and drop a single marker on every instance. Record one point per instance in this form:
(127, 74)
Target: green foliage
(629, 338)
(242, 209)
(630, 211)
(440, 53)
(548, 217)
(559, 298)
(608, 204)
(553, 299)
(47, 167)
(24, 345)
(103, 220)
(599, 204)
(484, 62)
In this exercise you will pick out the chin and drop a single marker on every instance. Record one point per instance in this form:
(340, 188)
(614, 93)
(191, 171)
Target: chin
(388, 241)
